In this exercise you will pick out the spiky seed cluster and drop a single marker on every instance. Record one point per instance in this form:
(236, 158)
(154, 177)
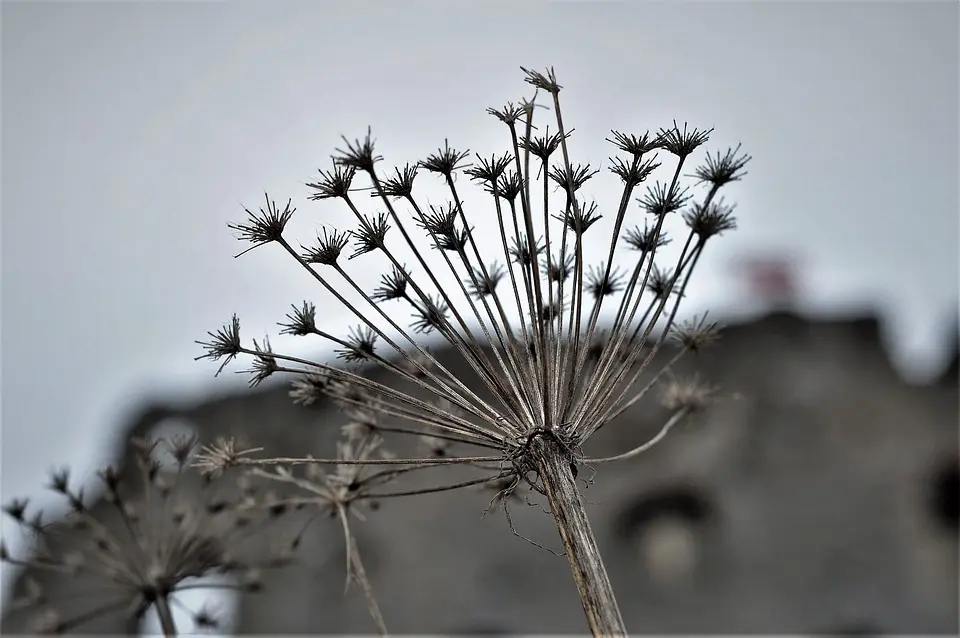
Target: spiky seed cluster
(224, 344)
(302, 321)
(264, 226)
(153, 532)
(723, 169)
(264, 363)
(393, 285)
(689, 394)
(360, 346)
(326, 249)
(519, 302)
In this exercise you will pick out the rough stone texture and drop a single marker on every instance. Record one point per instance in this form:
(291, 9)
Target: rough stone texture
(820, 495)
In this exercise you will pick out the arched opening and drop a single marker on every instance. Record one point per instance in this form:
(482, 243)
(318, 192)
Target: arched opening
(665, 526)
(684, 502)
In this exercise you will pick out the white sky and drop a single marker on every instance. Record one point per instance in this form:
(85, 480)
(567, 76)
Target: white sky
(132, 132)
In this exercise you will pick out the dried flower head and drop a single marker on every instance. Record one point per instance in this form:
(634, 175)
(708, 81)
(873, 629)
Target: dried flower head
(687, 393)
(484, 282)
(509, 114)
(307, 389)
(645, 240)
(708, 221)
(524, 251)
(370, 235)
(430, 315)
(360, 346)
(723, 169)
(580, 219)
(546, 81)
(509, 187)
(558, 268)
(543, 146)
(661, 200)
(264, 226)
(358, 154)
(224, 344)
(264, 363)
(445, 161)
(221, 455)
(489, 170)
(401, 184)
(333, 183)
(393, 285)
(302, 321)
(696, 334)
(327, 248)
(602, 282)
(148, 538)
(635, 145)
(572, 178)
(538, 316)
(633, 172)
(510, 292)
(682, 143)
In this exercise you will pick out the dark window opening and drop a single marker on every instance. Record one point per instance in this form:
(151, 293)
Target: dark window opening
(683, 502)
(945, 496)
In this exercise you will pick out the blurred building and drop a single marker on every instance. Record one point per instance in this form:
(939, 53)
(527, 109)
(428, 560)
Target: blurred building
(819, 495)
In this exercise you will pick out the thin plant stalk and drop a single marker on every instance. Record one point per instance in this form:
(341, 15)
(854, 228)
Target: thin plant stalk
(355, 568)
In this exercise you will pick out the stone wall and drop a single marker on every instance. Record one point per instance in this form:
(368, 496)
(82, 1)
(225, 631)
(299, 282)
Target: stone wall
(818, 495)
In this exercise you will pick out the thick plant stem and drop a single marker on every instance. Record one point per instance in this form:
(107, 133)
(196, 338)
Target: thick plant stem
(162, 605)
(596, 592)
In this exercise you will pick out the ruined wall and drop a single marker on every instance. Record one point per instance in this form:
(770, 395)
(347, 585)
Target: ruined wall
(819, 495)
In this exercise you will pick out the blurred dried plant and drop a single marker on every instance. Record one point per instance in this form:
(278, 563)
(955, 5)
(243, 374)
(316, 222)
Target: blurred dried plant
(524, 314)
(152, 539)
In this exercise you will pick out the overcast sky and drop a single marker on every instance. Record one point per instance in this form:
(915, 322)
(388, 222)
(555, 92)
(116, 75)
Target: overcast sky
(133, 132)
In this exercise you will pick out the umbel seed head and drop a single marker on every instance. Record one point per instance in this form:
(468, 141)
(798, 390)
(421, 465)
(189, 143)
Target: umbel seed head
(556, 306)
(520, 277)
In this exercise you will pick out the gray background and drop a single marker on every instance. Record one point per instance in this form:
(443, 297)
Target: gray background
(133, 132)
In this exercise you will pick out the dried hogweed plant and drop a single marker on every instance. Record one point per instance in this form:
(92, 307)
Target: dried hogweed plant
(148, 541)
(524, 313)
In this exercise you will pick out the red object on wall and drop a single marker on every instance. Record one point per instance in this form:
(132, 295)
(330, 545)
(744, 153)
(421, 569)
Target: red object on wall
(771, 278)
